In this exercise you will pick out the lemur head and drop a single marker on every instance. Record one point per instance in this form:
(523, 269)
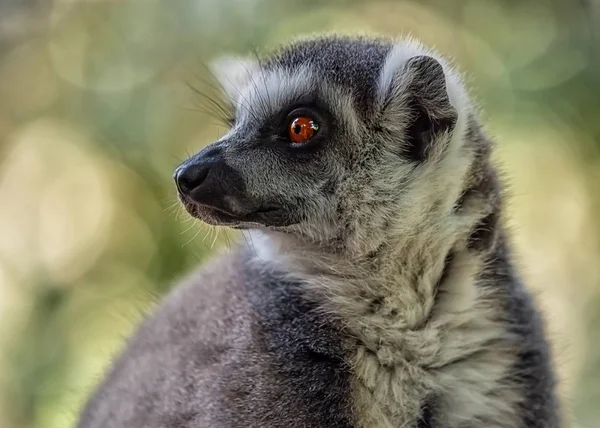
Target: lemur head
(338, 141)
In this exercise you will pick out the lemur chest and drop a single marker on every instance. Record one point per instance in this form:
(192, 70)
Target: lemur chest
(392, 351)
(458, 382)
(415, 360)
(390, 388)
(421, 348)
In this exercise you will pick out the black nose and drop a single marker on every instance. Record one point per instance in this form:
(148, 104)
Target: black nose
(190, 177)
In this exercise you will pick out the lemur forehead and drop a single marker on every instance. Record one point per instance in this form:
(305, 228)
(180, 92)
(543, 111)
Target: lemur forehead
(341, 72)
(352, 63)
(272, 91)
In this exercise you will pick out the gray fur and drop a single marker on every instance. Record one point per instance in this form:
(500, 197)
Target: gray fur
(379, 293)
(233, 346)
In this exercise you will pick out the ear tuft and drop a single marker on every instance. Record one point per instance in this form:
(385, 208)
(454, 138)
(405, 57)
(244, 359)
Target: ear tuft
(233, 73)
(415, 100)
(427, 99)
(426, 81)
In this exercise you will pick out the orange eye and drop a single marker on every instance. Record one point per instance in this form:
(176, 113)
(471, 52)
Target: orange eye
(302, 129)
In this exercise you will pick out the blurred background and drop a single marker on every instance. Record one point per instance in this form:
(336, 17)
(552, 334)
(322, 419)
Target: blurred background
(95, 113)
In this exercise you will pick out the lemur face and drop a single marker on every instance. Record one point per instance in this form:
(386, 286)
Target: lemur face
(327, 134)
(279, 164)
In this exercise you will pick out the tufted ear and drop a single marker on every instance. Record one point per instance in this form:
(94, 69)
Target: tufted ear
(233, 73)
(418, 96)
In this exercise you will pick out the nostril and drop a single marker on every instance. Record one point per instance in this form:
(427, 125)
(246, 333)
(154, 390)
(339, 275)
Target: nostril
(190, 177)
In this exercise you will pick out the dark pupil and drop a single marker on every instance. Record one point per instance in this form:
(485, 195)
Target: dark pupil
(297, 129)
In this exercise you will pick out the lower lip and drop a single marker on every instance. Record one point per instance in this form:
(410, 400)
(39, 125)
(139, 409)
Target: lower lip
(215, 216)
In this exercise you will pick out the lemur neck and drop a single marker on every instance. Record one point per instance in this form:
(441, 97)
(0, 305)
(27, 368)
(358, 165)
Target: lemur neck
(396, 284)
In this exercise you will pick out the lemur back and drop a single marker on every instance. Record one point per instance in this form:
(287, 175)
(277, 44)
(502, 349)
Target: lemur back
(376, 286)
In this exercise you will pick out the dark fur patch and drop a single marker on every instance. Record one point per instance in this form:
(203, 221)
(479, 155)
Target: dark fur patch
(432, 113)
(484, 234)
(306, 349)
(418, 135)
(426, 416)
(375, 305)
(533, 370)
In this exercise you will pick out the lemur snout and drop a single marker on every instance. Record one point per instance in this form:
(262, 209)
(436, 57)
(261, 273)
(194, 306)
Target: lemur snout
(200, 178)
(188, 178)
(214, 191)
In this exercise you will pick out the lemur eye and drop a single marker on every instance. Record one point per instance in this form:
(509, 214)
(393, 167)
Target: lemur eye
(302, 129)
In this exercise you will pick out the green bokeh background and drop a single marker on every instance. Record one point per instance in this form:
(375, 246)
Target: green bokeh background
(95, 113)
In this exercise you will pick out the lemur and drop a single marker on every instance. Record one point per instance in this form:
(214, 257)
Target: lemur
(379, 290)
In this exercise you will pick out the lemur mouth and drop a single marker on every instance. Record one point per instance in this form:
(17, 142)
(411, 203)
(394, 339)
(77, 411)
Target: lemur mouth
(267, 215)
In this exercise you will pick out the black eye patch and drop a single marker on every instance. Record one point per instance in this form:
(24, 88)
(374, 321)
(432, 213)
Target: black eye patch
(275, 131)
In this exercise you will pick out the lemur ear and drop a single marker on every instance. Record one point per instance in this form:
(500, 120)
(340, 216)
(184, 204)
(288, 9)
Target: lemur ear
(233, 73)
(420, 94)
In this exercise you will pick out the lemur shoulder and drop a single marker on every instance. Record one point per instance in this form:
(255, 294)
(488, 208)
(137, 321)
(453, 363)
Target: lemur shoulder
(379, 290)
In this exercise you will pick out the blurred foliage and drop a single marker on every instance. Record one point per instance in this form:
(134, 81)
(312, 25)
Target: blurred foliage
(95, 114)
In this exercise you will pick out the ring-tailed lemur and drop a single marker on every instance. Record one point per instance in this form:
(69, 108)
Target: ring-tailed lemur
(379, 291)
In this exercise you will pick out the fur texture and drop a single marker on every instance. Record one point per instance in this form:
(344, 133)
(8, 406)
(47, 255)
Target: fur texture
(235, 345)
(380, 292)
